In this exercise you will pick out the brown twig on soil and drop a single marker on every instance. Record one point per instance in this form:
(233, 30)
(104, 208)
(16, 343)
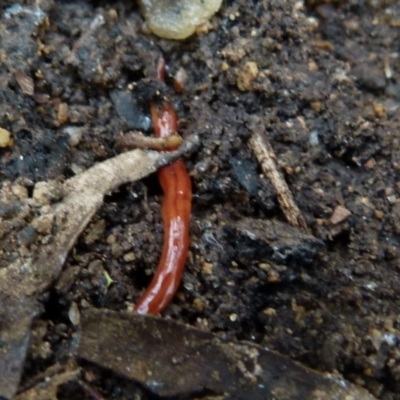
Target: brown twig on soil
(265, 155)
(134, 140)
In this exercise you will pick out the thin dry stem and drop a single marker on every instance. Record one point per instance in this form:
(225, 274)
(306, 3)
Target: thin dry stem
(265, 155)
(136, 140)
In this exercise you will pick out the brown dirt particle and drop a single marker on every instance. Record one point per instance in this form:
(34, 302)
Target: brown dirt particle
(340, 213)
(270, 312)
(246, 76)
(379, 110)
(25, 82)
(5, 138)
(370, 164)
(128, 257)
(207, 268)
(62, 113)
(198, 304)
(43, 224)
(180, 79)
(45, 192)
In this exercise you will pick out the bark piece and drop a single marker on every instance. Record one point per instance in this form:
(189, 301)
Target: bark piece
(171, 359)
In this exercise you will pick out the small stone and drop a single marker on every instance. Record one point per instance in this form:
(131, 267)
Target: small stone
(367, 202)
(235, 51)
(246, 76)
(112, 14)
(224, 66)
(312, 66)
(270, 312)
(77, 169)
(73, 314)
(44, 350)
(62, 113)
(74, 134)
(379, 110)
(340, 213)
(95, 231)
(316, 106)
(376, 338)
(207, 268)
(198, 304)
(188, 286)
(111, 239)
(389, 191)
(128, 257)
(43, 224)
(116, 249)
(273, 276)
(265, 266)
(324, 45)
(21, 192)
(26, 236)
(180, 79)
(5, 138)
(314, 138)
(25, 82)
(41, 98)
(61, 329)
(45, 192)
(369, 77)
(85, 303)
(371, 163)
(203, 29)
(392, 199)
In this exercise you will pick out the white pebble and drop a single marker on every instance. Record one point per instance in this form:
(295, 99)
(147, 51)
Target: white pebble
(74, 135)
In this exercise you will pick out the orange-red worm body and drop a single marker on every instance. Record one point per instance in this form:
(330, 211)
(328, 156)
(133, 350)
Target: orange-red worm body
(177, 187)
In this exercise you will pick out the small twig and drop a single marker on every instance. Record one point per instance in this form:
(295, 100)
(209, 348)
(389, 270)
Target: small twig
(265, 155)
(136, 140)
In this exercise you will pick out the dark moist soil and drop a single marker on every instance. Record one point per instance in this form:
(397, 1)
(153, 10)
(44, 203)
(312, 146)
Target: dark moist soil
(328, 96)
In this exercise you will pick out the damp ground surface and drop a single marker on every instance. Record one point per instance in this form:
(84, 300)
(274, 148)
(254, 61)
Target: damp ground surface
(322, 82)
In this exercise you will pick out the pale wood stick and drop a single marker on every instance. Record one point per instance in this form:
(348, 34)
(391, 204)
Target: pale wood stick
(265, 155)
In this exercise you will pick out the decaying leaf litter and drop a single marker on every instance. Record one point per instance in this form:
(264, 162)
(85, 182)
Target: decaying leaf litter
(327, 98)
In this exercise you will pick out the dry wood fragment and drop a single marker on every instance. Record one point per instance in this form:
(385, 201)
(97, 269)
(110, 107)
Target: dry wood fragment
(195, 362)
(265, 155)
(132, 140)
